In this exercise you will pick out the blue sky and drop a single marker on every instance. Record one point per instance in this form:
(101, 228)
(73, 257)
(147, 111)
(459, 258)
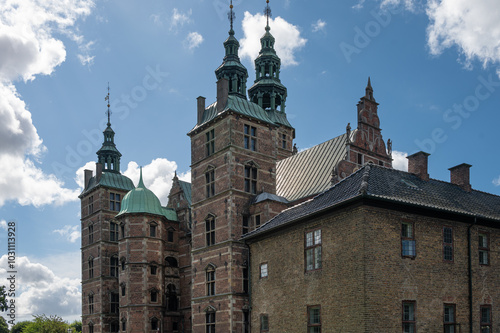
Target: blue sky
(434, 68)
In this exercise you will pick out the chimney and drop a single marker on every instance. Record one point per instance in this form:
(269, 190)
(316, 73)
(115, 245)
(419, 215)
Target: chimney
(460, 175)
(98, 172)
(417, 164)
(201, 108)
(222, 93)
(88, 175)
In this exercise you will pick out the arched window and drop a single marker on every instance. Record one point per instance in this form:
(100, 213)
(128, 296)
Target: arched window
(154, 296)
(210, 320)
(172, 303)
(91, 327)
(91, 303)
(91, 267)
(124, 324)
(210, 230)
(210, 182)
(171, 262)
(154, 324)
(210, 280)
(152, 229)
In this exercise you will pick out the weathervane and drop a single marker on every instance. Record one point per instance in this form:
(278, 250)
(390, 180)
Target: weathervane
(231, 15)
(267, 12)
(109, 111)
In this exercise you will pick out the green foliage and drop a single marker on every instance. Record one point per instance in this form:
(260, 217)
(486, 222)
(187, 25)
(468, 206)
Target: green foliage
(4, 328)
(44, 324)
(76, 326)
(19, 327)
(3, 300)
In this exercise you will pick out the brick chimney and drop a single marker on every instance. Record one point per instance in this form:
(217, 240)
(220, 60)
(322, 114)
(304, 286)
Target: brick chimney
(98, 172)
(222, 93)
(88, 175)
(460, 175)
(417, 164)
(201, 108)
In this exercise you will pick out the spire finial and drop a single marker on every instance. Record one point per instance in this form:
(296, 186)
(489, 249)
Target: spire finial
(109, 111)
(141, 183)
(369, 90)
(231, 16)
(369, 83)
(268, 13)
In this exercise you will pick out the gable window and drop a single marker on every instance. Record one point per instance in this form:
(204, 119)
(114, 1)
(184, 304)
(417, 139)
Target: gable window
(484, 249)
(264, 323)
(154, 324)
(154, 296)
(114, 201)
(210, 230)
(250, 137)
(313, 250)
(407, 240)
(170, 236)
(113, 266)
(91, 233)
(91, 205)
(91, 303)
(448, 244)
(153, 270)
(251, 179)
(449, 318)
(314, 319)
(113, 232)
(210, 280)
(152, 230)
(210, 142)
(124, 324)
(210, 322)
(409, 317)
(263, 270)
(114, 302)
(210, 182)
(486, 319)
(91, 268)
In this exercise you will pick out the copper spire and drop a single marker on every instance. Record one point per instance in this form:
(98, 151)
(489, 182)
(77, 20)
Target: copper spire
(109, 111)
(231, 15)
(267, 12)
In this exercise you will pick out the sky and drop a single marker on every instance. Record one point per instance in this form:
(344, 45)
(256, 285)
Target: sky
(434, 67)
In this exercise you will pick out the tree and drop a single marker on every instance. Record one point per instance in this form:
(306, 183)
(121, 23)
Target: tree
(3, 300)
(44, 324)
(76, 326)
(4, 328)
(19, 327)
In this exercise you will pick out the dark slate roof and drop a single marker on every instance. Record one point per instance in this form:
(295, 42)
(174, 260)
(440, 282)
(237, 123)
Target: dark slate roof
(246, 108)
(377, 182)
(110, 179)
(268, 196)
(186, 188)
(310, 171)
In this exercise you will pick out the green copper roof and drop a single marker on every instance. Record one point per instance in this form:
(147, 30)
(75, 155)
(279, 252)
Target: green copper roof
(245, 108)
(110, 179)
(142, 200)
(186, 188)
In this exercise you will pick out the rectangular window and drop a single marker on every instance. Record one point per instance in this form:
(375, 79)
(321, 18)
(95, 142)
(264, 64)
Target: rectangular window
(113, 232)
(409, 321)
(245, 225)
(124, 290)
(91, 268)
(486, 319)
(210, 142)
(448, 244)
(250, 179)
(263, 270)
(250, 137)
(170, 236)
(115, 302)
(123, 230)
(91, 205)
(245, 280)
(360, 159)
(91, 303)
(210, 182)
(313, 250)
(264, 323)
(114, 201)
(91, 233)
(210, 322)
(283, 141)
(154, 296)
(210, 280)
(113, 266)
(407, 240)
(152, 230)
(449, 318)
(257, 221)
(484, 249)
(153, 270)
(91, 328)
(210, 231)
(314, 319)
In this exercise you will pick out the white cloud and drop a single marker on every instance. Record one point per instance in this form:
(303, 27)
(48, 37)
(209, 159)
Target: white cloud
(319, 25)
(287, 35)
(359, 5)
(410, 5)
(496, 181)
(472, 26)
(39, 290)
(80, 175)
(193, 40)
(28, 48)
(71, 233)
(3, 224)
(400, 162)
(178, 19)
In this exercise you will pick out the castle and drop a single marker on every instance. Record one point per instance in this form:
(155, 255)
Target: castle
(268, 239)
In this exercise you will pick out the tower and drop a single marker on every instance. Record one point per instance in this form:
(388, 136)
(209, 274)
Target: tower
(100, 202)
(234, 148)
